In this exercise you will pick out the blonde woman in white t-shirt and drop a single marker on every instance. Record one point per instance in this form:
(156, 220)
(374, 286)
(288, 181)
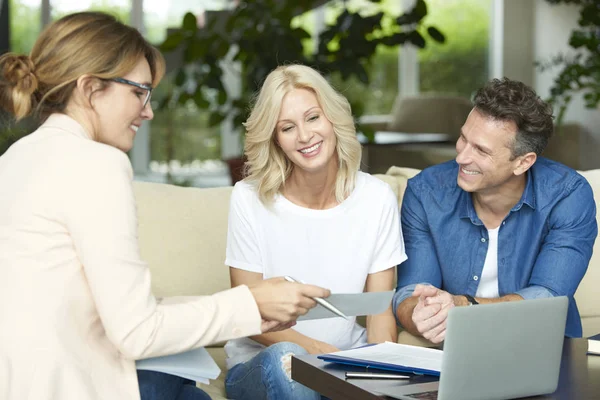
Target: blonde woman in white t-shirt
(305, 210)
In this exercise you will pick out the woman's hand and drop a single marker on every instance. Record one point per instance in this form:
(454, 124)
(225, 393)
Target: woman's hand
(283, 301)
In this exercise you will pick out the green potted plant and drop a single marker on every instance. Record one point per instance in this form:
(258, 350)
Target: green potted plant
(580, 73)
(260, 35)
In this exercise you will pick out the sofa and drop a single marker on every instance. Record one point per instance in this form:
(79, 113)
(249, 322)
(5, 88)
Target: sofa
(182, 233)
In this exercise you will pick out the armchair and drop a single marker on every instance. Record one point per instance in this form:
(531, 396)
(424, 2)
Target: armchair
(440, 116)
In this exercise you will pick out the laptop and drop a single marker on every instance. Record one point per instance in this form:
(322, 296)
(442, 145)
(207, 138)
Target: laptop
(497, 351)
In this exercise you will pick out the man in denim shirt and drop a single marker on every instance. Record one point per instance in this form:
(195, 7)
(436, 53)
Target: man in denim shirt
(500, 223)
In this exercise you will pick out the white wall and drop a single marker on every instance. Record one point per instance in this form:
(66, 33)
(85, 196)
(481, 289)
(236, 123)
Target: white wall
(552, 25)
(512, 42)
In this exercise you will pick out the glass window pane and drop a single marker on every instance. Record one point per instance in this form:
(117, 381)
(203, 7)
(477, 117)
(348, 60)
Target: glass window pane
(25, 21)
(460, 65)
(181, 141)
(119, 8)
(160, 15)
(181, 132)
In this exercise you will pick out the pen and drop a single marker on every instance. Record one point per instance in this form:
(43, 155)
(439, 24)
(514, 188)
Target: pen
(321, 301)
(374, 375)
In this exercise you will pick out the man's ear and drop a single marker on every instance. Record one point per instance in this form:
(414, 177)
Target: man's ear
(86, 86)
(525, 162)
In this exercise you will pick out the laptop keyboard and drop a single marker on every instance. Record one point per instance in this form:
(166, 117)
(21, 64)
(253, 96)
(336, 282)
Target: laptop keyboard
(433, 395)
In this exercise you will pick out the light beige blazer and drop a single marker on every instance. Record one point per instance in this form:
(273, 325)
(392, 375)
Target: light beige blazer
(75, 302)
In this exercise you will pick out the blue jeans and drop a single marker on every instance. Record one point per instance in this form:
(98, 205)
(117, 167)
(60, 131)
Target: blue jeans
(160, 386)
(265, 377)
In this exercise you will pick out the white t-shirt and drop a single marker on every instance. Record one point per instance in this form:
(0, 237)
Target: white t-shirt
(335, 248)
(488, 284)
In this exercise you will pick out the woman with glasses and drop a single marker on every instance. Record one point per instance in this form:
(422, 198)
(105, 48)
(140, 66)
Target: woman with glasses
(76, 308)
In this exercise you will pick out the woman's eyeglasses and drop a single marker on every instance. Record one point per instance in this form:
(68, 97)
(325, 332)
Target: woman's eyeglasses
(147, 88)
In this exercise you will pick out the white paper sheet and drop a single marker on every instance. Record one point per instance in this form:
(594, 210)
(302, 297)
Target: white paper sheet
(196, 365)
(594, 347)
(352, 304)
(397, 354)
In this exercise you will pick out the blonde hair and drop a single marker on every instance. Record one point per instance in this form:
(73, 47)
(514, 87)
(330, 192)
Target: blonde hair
(91, 43)
(268, 167)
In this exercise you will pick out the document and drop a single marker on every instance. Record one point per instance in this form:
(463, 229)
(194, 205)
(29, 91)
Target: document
(196, 365)
(352, 304)
(594, 347)
(391, 356)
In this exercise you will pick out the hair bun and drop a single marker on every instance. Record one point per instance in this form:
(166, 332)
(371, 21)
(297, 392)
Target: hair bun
(19, 72)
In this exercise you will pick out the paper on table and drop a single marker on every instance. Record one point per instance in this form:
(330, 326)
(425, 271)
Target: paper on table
(413, 357)
(352, 304)
(196, 365)
(594, 347)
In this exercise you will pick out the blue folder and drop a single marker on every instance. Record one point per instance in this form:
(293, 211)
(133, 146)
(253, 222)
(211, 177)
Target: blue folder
(377, 365)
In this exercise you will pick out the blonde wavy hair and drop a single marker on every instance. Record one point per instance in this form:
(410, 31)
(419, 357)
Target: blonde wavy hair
(82, 43)
(268, 167)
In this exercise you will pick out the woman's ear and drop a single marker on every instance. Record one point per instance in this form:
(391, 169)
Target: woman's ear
(86, 86)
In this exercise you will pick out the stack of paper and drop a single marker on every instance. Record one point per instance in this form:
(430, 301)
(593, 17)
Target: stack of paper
(196, 365)
(391, 356)
(594, 347)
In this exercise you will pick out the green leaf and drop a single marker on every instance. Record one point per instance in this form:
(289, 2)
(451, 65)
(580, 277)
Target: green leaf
(183, 98)
(215, 118)
(181, 77)
(190, 23)
(200, 101)
(368, 132)
(222, 97)
(172, 41)
(195, 50)
(407, 19)
(238, 120)
(417, 39)
(361, 74)
(436, 34)
(420, 10)
(301, 33)
(395, 40)
(239, 103)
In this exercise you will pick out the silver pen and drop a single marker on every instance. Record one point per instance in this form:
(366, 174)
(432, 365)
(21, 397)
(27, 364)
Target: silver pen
(321, 301)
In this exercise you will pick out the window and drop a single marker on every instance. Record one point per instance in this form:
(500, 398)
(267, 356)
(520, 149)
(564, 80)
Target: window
(119, 8)
(182, 133)
(184, 149)
(461, 65)
(24, 24)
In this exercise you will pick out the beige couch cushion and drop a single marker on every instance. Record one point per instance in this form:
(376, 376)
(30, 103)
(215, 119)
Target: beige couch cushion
(183, 233)
(399, 177)
(588, 300)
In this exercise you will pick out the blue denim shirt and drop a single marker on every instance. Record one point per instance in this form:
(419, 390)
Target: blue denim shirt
(544, 243)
